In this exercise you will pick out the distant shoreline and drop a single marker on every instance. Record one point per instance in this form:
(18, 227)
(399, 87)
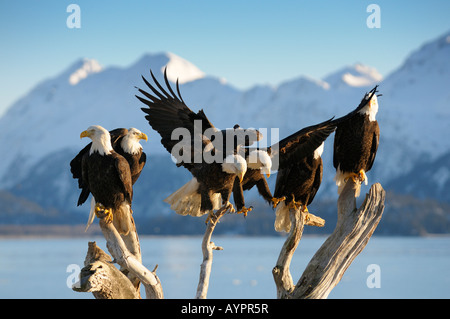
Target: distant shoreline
(77, 231)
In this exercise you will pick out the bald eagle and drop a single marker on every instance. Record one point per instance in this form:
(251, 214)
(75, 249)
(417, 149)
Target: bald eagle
(106, 174)
(356, 142)
(259, 163)
(300, 170)
(201, 152)
(124, 142)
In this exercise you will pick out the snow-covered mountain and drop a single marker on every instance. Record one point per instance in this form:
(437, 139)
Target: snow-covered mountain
(40, 132)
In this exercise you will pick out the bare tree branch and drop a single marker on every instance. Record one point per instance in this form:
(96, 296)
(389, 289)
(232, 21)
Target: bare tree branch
(126, 259)
(352, 233)
(207, 249)
(102, 278)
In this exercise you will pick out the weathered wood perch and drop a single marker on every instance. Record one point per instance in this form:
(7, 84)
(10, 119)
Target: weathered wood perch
(207, 249)
(102, 278)
(326, 268)
(126, 252)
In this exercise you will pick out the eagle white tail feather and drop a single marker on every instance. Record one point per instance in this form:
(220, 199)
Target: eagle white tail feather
(186, 200)
(91, 214)
(282, 219)
(340, 179)
(122, 219)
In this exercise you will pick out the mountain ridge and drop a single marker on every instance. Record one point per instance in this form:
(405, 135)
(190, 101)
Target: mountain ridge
(39, 133)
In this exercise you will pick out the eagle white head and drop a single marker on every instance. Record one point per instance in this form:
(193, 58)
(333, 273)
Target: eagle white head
(260, 159)
(235, 164)
(371, 108)
(101, 140)
(130, 142)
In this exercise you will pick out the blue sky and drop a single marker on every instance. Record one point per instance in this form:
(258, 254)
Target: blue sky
(246, 42)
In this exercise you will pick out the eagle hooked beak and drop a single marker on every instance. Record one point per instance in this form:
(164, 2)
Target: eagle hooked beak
(241, 176)
(85, 134)
(268, 175)
(143, 136)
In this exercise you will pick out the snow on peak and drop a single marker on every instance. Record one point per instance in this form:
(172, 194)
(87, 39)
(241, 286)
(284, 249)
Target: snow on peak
(87, 67)
(357, 75)
(432, 56)
(181, 69)
(177, 67)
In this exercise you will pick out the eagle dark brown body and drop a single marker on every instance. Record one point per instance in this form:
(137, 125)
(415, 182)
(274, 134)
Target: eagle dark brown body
(253, 177)
(108, 178)
(356, 144)
(301, 181)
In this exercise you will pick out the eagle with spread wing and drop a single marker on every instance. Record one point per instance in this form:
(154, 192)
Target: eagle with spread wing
(197, 145)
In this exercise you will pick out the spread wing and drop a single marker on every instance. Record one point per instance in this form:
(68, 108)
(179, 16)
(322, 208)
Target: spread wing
(300, 144)
(166, 112)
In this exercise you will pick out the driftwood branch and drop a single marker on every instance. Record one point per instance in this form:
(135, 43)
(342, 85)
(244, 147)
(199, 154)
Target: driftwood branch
(102, 278)
(207, 249)
(352, 233)
(126, 259)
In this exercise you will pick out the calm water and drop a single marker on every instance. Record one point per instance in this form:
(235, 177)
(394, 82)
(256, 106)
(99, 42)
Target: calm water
(408, 267)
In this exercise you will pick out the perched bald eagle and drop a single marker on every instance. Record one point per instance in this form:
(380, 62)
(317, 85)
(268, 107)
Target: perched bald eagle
(300, 170)
(356, 142)
(202, 151)
(124, 142)
(106, 174)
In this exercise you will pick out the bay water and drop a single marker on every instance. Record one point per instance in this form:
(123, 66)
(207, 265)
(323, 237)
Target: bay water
(389, 267)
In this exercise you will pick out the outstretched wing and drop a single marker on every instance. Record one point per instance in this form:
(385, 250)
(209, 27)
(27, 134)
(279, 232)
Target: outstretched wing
(166, 112)
(300, 144)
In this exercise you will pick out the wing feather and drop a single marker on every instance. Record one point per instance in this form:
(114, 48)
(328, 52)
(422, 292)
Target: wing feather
(302, 143)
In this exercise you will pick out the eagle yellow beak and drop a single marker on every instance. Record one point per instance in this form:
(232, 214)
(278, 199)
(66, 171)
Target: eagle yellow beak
(241, 176)
(268, 175)
(143, 136)
(85, 134)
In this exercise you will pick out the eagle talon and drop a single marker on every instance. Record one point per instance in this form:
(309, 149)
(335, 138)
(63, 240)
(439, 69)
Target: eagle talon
(362, 175)
(244, 210)
(276, 201)
(210, 218)
(294, 205)
(305, 210)
(229, 207)
(102, 212)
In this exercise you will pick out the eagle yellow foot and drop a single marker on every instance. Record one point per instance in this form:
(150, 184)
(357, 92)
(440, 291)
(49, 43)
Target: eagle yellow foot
(103, 212)
(294, 205)
(362, 175)
(276, 201)
(357, 177)
(210, 218)
(244, 210)
(229, 207)
(305, 210)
